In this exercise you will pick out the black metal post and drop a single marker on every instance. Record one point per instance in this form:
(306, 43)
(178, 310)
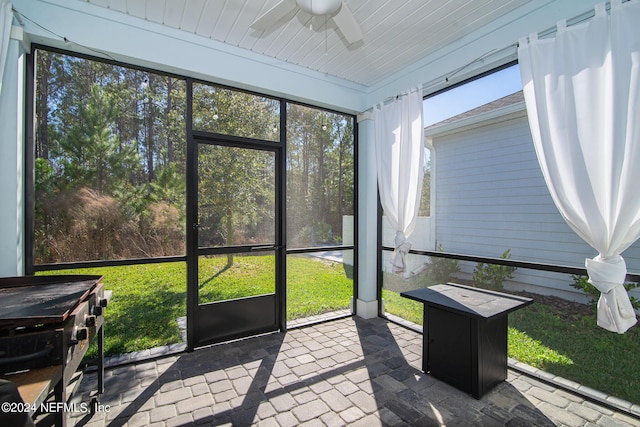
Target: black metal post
(192, 221)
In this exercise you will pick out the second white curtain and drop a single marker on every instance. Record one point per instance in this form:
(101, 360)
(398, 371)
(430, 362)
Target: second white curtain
(582, 91)
(400, 162)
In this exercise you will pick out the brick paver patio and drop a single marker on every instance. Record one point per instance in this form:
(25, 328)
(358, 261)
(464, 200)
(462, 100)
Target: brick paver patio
(344, 372)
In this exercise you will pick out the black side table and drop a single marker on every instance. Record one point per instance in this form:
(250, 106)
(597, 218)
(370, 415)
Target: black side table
(465, 334)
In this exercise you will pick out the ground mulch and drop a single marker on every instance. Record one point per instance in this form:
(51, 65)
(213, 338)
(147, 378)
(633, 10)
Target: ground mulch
(563, 306)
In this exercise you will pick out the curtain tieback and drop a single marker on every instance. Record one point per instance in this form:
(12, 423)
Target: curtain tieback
(606, 273)
(402, 248)
(615, 312)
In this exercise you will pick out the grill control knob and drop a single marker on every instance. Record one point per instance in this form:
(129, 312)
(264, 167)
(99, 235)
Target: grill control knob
(82, 334)
(103, 302)
(97, 310)
(90, 321)
(78, 334)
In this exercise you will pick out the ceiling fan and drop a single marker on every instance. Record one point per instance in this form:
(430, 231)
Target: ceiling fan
(334, 9)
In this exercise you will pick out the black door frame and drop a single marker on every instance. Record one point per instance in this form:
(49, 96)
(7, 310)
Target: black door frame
(198, 317)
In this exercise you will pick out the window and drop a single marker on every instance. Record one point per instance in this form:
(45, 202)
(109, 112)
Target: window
(320, 211)
(110, 158)
(470, 95)
(459, 202)
(320, 178)
(231, 112)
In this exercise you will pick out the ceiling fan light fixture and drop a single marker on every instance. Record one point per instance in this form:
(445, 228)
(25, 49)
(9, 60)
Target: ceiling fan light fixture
(319, 7)
(337, 10)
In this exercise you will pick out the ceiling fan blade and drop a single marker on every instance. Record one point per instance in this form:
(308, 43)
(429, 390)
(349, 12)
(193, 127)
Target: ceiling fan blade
(348, 25)
(273, 15)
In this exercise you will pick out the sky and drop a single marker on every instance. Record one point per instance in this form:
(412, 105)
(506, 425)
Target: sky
(471, 95)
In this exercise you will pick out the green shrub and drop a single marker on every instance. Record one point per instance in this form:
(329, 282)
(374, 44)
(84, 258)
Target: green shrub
(582, 283)
(443, 268)
(491, 276)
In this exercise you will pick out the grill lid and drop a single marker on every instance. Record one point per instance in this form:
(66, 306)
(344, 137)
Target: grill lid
(33, 300)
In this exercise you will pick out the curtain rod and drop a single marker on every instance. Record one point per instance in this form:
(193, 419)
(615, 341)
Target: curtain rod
(445, 78)
(578, 19)
(583, 17)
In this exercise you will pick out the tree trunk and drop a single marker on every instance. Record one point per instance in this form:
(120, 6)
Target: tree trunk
(150, 136)
(320, 189)
(304, 188)
(42, 107)
(167, 111)
(229, 229)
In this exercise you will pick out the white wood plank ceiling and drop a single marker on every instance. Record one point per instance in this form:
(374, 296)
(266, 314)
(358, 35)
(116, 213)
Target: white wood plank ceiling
(396, 33)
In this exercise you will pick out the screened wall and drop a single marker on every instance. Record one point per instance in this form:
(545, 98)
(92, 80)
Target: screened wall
(110, 161)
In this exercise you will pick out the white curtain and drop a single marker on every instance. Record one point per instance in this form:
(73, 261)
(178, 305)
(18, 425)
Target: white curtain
(582, 92)
(399, 156)
(6, 17)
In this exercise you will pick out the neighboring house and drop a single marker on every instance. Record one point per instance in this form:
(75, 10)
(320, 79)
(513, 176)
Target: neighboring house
(488, 195)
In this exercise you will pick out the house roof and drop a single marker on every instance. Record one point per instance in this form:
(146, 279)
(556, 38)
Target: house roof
(505, 101)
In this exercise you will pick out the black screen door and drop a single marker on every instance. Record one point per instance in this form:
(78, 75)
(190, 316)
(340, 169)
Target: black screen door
(235, 258)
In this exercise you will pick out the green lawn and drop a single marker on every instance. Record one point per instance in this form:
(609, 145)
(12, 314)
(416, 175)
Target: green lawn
(574, 347)
(147, 299)
(248, 276)
(315, 286)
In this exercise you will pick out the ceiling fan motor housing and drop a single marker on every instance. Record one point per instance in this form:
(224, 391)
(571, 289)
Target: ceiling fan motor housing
(319, 7)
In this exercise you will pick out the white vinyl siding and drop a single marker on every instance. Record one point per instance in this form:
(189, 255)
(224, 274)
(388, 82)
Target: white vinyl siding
(490, 196)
